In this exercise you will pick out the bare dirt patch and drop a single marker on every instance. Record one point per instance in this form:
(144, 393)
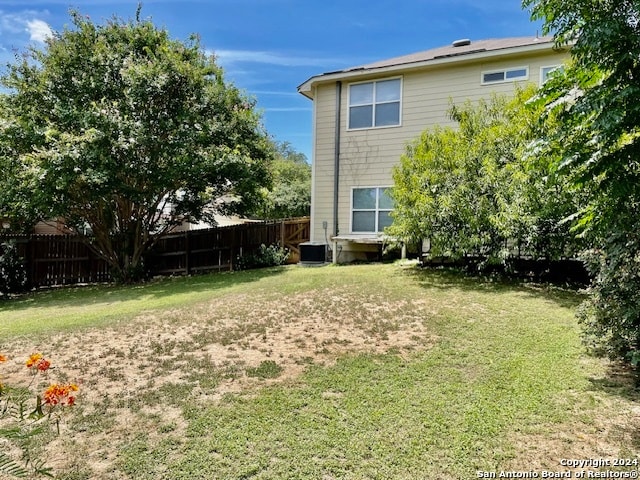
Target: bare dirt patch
(135, 378)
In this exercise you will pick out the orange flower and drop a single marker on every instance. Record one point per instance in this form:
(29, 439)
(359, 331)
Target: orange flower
(38, 362)
(58, 394)
(43, 365)
(33, 359)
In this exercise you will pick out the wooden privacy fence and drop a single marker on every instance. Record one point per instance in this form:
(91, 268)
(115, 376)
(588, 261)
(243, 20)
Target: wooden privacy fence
(218, 248)
(65, 259)
(59, 260)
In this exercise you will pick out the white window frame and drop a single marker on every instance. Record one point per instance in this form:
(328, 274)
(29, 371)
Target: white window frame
(551, 68)
(373, 113)
(505, 71)
(376, 210)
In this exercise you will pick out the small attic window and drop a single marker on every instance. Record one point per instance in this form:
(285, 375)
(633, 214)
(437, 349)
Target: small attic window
(506, 75)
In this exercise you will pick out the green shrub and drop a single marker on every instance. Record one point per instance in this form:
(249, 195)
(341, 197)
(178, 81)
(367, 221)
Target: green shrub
(270, 256)
(611, 314)
(13, 274)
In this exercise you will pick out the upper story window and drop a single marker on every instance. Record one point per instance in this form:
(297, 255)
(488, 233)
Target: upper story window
(546, 71)
(375, 104)
(370, 210)
(505, 75)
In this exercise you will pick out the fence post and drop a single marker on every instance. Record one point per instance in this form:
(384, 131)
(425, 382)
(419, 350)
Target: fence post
(88, 272)
(236, 245)
(30, 254)
(187, 253)
(282, 233)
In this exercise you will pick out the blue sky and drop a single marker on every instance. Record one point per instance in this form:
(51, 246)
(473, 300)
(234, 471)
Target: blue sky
(269, 47)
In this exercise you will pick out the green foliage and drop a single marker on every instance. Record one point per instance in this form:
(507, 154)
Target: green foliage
(25, 420)
(610, 315)
(473, 191)
(597, 150)
(11, 468)
(266, 369)
(29, 467)
(13, 275)
(270, 256)
(125, 133)
(290, 194)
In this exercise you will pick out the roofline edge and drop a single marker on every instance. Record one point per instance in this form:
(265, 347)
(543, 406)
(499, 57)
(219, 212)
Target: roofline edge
(305, 87)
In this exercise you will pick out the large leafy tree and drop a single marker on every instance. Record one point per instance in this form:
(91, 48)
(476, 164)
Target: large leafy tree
(290, 192)
(473, 190)
(125, 133)
(598, 149)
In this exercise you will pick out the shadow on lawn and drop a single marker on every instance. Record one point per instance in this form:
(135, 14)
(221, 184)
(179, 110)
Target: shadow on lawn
(445, 278)
(621, 380)
(69, 296)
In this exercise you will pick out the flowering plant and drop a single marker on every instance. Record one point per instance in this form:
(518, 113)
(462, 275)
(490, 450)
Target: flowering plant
(20, 421)
(37, 362)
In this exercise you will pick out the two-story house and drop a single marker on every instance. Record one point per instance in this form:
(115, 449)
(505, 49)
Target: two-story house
(363, 118)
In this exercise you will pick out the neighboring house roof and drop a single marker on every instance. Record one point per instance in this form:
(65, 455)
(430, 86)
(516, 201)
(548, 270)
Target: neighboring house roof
(460, 50)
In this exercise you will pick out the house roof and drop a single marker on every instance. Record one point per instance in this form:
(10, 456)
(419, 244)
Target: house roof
(461, 50)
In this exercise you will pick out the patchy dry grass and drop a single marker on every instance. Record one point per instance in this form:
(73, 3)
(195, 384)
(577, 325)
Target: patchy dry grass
(371, 371)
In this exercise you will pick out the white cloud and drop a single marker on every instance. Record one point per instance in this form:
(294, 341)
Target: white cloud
(11, 23)
(38, 30)
(270, 58)
(15, 25)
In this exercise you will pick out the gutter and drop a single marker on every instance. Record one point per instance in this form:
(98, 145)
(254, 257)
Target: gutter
(336, 157)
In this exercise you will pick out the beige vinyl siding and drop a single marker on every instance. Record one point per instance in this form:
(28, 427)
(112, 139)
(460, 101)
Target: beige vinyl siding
(368, 156)
(51, 227)
(323, 162)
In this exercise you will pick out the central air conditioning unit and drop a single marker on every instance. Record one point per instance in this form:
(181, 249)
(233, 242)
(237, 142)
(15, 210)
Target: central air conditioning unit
(313, 253)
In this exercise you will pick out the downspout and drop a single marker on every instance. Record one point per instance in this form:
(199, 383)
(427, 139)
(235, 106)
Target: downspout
(336, 157)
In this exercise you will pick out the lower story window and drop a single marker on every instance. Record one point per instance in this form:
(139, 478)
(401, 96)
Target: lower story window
(370, 211)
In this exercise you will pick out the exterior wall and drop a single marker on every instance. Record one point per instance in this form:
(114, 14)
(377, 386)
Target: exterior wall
(221, 221)
(368, 156)
(323, 163)
(51, 227)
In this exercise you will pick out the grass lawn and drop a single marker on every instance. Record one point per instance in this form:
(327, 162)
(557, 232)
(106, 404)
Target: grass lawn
(359, 372)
